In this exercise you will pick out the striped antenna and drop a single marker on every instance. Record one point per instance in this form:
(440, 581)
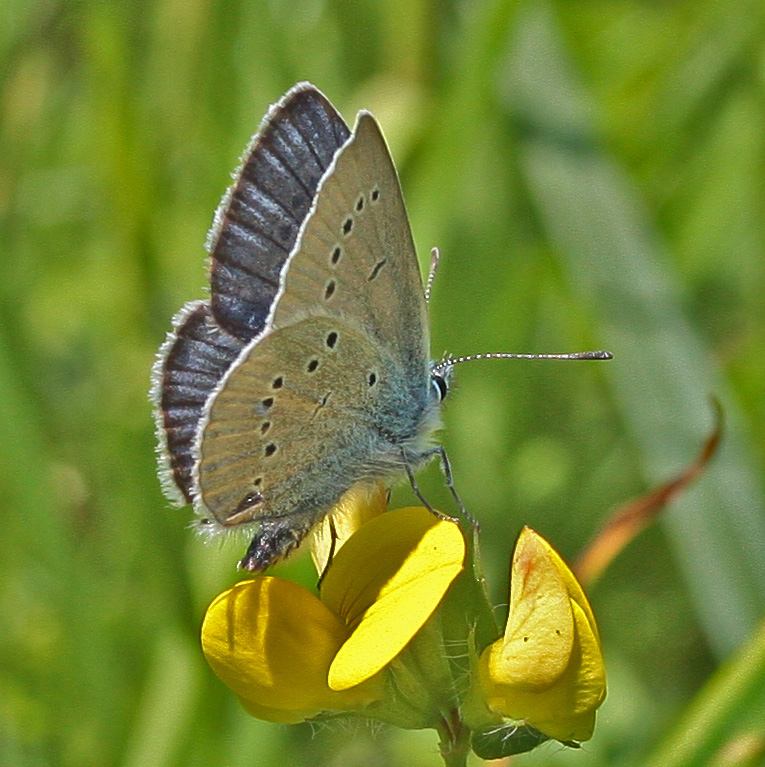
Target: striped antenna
(435, 257)
(448, 362)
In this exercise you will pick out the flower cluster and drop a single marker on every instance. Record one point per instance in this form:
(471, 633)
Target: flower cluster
(398, 592)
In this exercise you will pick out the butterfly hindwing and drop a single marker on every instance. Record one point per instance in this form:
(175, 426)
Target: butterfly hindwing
(294, 424)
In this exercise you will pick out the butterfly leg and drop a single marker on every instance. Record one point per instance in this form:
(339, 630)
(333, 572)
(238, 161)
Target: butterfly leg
(446, 468)
(418, 492)
(332, 545)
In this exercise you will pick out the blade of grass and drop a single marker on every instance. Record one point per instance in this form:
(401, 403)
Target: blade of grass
(734, 694)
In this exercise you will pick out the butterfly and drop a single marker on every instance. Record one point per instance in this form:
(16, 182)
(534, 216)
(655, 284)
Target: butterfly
(307, 370)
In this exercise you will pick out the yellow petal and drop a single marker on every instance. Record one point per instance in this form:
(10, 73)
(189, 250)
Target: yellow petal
(548, 669)
(275, 715)
(385, 583)
(272, 642)
(361, 503)
(574, 588)
(540, 627)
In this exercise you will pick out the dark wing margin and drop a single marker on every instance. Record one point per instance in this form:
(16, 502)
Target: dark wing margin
(254, 230)
(257, 223)
(193, 359)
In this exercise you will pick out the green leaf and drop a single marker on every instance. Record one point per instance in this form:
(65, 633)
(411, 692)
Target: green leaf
(506, 740)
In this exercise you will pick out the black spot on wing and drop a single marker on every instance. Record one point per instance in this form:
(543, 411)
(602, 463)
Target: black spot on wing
(377, 268)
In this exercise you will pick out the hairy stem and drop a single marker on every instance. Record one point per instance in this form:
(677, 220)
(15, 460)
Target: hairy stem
(454, 739)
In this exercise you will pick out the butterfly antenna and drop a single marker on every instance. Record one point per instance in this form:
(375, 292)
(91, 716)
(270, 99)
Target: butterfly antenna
(435, 257)
(447, 362)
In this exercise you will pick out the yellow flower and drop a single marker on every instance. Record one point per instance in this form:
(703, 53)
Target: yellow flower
(547, 670)
(290, 655)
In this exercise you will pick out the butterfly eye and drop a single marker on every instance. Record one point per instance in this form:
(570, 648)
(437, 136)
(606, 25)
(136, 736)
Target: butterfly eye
(440, 386)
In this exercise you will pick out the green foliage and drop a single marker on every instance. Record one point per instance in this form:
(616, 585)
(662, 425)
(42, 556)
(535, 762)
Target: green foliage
(592, 173)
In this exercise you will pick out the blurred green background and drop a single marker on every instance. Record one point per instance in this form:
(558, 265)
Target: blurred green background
(594, 174)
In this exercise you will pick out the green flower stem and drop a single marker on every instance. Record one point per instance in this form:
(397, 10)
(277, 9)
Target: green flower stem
(454, 739)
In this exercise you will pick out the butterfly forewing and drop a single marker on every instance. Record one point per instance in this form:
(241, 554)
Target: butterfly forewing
(338, 383)
(356, 256)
